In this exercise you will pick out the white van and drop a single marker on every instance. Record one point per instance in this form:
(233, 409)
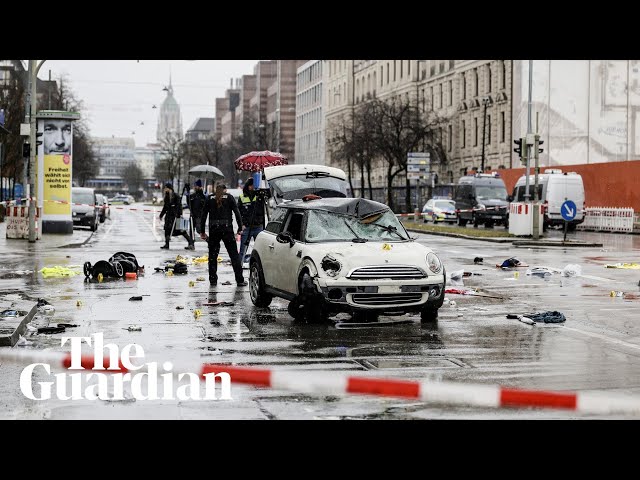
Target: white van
(554, 187)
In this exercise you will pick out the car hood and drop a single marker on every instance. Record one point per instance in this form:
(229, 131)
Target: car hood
(354, 255)
(82, 209)
(493, 203)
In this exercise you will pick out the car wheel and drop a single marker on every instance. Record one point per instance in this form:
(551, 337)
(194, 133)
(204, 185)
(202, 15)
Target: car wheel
(434, 218)
(425, 219)
(474, 219)
(259, 297)
(461, 222)
(429, 315)
(296, 309)
(87, 269)
(117, 268)
(94, 225)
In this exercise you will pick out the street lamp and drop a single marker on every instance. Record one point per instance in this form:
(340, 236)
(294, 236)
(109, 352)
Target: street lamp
(485, 101)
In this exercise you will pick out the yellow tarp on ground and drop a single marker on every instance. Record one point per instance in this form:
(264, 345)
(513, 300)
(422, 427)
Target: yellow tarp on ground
(628, 266)
(57, 271)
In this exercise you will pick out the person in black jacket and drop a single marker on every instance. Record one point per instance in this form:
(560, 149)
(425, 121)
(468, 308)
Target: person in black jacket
(251, 208)
(171, 210)
(219, 209)
(197, 200)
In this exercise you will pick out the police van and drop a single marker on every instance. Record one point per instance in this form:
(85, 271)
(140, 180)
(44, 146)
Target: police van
(554, 188)
(482, 199)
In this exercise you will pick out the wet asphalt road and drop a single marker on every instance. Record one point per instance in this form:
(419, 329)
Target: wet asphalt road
(598, 348)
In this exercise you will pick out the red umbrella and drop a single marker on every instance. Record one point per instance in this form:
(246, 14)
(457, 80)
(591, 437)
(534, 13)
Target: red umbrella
(256, 161)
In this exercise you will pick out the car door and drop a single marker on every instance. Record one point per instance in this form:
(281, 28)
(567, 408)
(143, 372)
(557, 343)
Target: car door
(428, 209)
(265, 246)
(289, 257)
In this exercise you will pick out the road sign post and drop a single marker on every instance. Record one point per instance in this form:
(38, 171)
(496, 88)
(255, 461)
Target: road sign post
(568, 211)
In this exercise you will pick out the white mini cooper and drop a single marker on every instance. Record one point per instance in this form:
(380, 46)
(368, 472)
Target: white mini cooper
(331, 255)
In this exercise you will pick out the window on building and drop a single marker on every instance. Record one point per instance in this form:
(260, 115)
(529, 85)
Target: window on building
(401, 68)
(423, 100)
(475, 132)
(432, 70)
(488, 129)
(450, 138)
(441, 95)
(381, 74)
(476, 82)
(441, 70)
(502, 126)
(344, 91)
(432, 98)
(489, 79)
(368, 84)
(452, 64)
(463, 134)
(503, 80)
(387, 73)
(464, 86)
(450, 92)
(395, 68)
(408, 68)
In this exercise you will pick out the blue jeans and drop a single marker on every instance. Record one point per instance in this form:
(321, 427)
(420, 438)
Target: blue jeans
(246, 234)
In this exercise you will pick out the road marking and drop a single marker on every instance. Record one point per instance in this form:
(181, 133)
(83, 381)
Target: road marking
(153, 231)
(605, 338)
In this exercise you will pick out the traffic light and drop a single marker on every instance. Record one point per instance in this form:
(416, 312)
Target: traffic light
(540, 142)
(518, 150)
(26, 150)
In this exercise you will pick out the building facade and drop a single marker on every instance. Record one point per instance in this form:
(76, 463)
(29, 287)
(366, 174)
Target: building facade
(202, 128)
(310, 121)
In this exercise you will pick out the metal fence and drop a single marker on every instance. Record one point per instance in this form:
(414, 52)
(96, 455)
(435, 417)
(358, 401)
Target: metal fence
(605, 219)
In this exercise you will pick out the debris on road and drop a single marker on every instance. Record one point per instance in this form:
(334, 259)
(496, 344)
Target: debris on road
(58, 329)
(457, 291)
(134, 328)
(135, 299)
(512, 263)
(572, 270)
(540, 271)
(179, 307)
(197, 313)
(478, 260)
(67, 325)
(526, 320)
(613, 293)
(169, 273)
(218, 304)
(79, 303)
(11, 314)
(58, 271)
(628, 266)
(131, 276)
(200, 279)
(543, 317)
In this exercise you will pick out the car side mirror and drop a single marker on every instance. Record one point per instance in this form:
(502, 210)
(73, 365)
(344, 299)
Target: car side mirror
(285, 237)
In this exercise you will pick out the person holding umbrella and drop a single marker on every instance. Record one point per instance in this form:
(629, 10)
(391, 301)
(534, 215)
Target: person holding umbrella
(220, 208)
(172, 210)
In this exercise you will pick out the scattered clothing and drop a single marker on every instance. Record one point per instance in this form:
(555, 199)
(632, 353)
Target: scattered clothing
(511, 263)
(136, 299)
(543, 317)
(57, 271)
(478, 260)
(219, 304)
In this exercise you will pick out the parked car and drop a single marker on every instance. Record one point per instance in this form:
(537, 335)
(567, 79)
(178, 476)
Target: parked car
(482, 198)
(85, 210)
(439, 210)
(105, 211)
(554, 187)
(331, 255)
(121, 198)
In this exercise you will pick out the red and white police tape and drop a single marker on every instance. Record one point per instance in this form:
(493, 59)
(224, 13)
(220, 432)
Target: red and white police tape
(332, 383)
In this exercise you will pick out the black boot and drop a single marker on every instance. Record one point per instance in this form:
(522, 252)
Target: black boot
(166, 242)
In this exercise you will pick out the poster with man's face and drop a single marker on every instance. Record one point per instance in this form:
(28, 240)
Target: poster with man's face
(56, 138)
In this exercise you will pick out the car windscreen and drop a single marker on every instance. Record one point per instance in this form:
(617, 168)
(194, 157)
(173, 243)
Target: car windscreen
(330, 227)
(491, 192)
(86, 198)
(445, 204)
(294, 187)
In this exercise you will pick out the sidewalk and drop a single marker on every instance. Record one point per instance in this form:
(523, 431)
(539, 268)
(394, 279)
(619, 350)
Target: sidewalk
(47, 242)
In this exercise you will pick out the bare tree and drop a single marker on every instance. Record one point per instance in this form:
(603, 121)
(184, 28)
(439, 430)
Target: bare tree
(133, 177)
(12, 101)
(170, 165)
(341, 146)
(85, 164)
(398, 127)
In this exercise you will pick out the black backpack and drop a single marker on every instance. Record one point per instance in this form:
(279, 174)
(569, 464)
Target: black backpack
(127, 260)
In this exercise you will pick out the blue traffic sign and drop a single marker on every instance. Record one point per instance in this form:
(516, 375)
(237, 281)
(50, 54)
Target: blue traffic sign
(568, 210)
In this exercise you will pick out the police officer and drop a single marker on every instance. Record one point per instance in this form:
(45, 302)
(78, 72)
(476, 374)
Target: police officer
(219, 209)
(197, 200)
(252, 210)
(172, 209)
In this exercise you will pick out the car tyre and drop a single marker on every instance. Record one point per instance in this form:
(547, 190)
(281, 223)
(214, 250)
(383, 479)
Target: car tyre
(461, 222)
(94, 226)
(429, 315)
(314, 307)
(295, 309)
(259, 296)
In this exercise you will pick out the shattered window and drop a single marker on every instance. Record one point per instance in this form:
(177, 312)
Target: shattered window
(331, 227)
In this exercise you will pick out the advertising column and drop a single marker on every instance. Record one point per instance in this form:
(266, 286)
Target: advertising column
(55, 163)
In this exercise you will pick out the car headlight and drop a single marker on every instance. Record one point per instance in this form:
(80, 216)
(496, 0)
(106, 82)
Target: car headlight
(435, 265)
(330, 265)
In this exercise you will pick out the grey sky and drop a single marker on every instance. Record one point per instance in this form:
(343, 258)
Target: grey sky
(119, 94)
